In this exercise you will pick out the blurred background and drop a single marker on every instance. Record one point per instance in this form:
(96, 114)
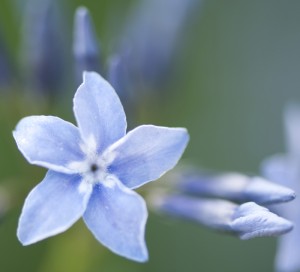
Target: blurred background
(235, 66)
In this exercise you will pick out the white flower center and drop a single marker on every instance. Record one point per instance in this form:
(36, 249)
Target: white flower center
(94, 169)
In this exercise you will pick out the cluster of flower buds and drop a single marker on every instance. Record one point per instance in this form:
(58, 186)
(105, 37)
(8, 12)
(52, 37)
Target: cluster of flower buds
(147, 48)
(229, 202)
(142, 59)
(246, 206)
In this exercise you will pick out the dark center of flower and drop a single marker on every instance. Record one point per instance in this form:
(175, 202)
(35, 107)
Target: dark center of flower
(94, 167)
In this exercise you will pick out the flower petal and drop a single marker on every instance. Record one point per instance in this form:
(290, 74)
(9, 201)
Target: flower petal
(98, 111)
(48, 141)
(52, 207)
(117, 217)
(146, 153)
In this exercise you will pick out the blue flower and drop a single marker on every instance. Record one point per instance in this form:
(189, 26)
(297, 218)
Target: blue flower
(284, 169)
(93, 169)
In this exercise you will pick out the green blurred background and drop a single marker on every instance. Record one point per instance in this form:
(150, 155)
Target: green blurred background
(240, 66)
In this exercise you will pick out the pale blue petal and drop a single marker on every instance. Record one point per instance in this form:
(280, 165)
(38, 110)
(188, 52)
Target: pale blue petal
(99, 112)
(48, 141)
(117, 217)
(251, 220)
(146, 153)
(52, 207)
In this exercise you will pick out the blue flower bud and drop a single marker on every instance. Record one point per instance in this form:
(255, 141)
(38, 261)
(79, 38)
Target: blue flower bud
(5, 66)
(237, 187)
(251, 220)
(85, 45)
(42, 47)
(119, 77)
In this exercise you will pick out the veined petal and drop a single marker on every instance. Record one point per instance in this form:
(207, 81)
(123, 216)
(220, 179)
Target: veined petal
(49, 141)
(146, 153)
(98, 111)
(117, 217)
(52, 207)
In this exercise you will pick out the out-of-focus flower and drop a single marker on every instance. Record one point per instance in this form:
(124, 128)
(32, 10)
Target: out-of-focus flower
(93, 169)
(152, 37)
(120, 78)
(247, 220)
(85, 45)
(42, 47)
(284, 169)
(235, 187)
(5, 66)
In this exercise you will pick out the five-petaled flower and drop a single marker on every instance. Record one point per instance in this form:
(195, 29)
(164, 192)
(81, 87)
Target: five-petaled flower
(93, 169)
